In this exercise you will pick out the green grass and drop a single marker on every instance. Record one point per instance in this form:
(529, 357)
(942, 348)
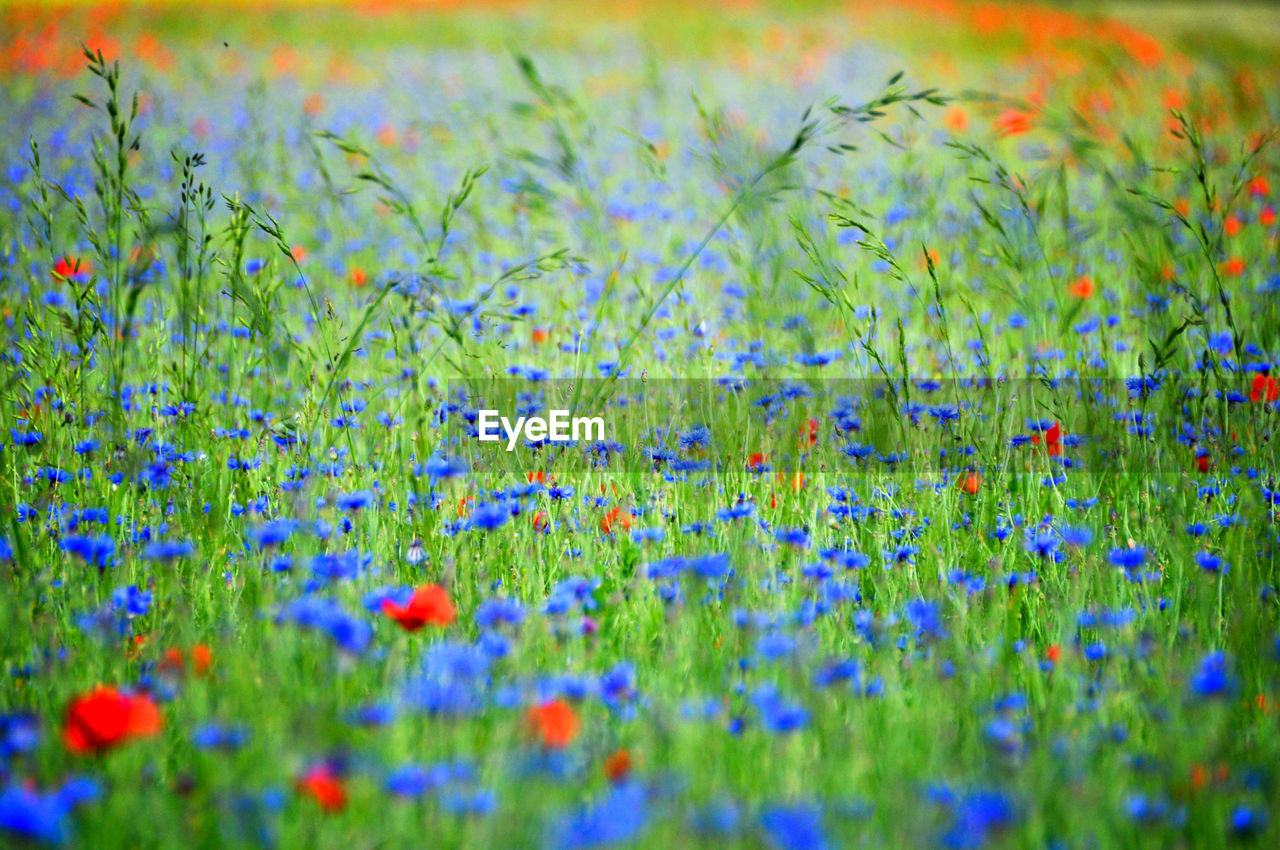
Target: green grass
(424, 206)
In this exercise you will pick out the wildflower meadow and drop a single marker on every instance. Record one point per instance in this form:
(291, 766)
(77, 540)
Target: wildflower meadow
(760, 424)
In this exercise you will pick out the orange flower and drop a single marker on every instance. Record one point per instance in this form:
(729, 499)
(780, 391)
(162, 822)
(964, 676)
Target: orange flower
(313, 104)
(1013, 122)
(1082, 288)
(1052, 439)
(956, 119)
(1053, 653)
(1234, 266)
(1259, 186)
(325, 787)
(553, 723)
(615, 516)
(809, 432)
(538, 335)
(172, 661)
(358, 277)
(68, 267)
(970, 484)
(1231, 226)
(104, 718)
(797, 481)
(1183, 206)
(1267, 217)
(429, 604)
(618, 765)
(756, 459)
(1264, 388)
(201, 659)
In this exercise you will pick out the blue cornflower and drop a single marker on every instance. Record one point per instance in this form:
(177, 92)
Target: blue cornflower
(357, 501)
(273, 533)
(95, 550)
(1247, 821)
(167, 550)
(1212, 679)
(923, 617)
(621, 815)
(1128, 558)
(499, 611)
(1211, 563)
(796, 827)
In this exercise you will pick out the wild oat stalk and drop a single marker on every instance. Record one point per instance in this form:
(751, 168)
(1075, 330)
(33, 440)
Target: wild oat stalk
(833, 118)
(1216, 207)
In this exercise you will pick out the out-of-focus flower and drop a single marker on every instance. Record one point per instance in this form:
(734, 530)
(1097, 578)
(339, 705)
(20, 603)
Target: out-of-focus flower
(105, 717)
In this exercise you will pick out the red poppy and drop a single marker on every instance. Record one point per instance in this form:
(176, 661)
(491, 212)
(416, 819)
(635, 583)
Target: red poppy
(1199, 776)
(1234, 266)
(358, 277)
(172, 661)
(133, 647)
(756, 460)
(1259, 186)
(1052, 439)
(615, 516)
(809, 431)
(201, 659)
(1013, 122)
(553, 724)
(429, 604)
(618, 765)
(956, 119)
(69, 267)
(970, 484)
(538, 335)
(1202, 462)
(1082, 288)
(795, 482)
(1264, 388)
(1267, 217)
(104, 718)
(325, 787)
